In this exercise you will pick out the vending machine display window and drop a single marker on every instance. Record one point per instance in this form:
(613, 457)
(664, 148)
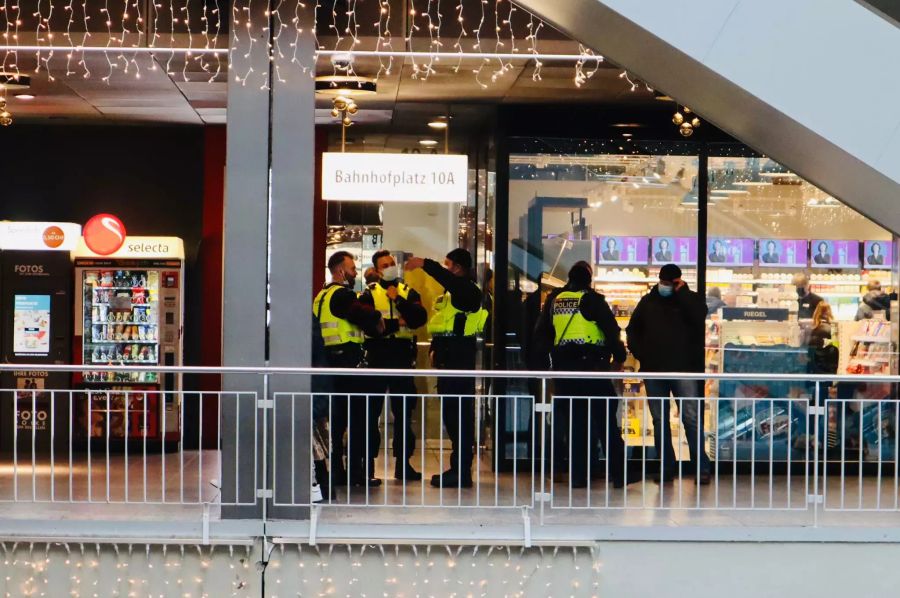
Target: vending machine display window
(121, 322)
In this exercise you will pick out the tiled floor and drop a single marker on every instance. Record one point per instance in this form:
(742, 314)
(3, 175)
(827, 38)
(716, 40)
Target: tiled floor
(172, 488)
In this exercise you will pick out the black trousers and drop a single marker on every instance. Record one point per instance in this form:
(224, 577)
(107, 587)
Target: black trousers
(458, 396)
(347, 410)
(578, 423)
(395, 354)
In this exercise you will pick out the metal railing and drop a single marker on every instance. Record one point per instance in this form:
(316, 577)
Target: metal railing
(804, 446)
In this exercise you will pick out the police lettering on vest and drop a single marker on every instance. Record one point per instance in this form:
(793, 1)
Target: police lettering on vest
(388, 310)
(335, 330)
(446, 320)
(570, 327)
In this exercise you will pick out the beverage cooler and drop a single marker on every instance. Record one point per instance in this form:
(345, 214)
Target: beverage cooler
(35, 329)
(129, 309)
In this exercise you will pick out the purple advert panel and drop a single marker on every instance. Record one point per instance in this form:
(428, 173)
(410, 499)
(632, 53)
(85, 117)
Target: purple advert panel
(826, 253)
(782, 253)
(878, 255)
(673, 250)
(729, 252)
(622, 250)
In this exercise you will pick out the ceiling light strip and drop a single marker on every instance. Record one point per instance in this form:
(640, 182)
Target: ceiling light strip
(325, 53)
(463, 55)
(114, 49)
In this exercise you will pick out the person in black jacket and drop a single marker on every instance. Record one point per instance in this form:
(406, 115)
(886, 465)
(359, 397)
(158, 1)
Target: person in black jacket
(667, 334)
(402, 312)
(875, 300)
(807, 301)
(580, 326)
(454, 347)
(337, 307)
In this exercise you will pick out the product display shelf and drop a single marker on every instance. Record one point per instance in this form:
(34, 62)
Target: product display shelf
(866, 347)
(759, 417)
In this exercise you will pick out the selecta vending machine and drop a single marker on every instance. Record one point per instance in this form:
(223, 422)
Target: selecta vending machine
(35, 329)
(128, 311)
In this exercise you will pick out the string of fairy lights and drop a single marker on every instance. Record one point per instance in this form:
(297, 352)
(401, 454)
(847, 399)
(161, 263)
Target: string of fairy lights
(99, 570)
(188, 39)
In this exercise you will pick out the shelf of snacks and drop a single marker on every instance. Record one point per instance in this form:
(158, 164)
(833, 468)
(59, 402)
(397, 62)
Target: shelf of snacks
(866, 347)
(121, 323)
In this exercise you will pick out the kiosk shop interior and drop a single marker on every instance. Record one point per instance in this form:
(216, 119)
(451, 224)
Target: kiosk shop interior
(628, 214)
(128, 310)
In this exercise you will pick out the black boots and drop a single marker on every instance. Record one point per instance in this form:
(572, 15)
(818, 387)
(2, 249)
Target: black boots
(404, 472)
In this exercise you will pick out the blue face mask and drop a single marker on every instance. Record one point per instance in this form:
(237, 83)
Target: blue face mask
(665, 290)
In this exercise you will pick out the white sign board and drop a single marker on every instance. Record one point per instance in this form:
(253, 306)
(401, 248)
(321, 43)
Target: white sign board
(138, 248)
(39, 236)
(433, 178)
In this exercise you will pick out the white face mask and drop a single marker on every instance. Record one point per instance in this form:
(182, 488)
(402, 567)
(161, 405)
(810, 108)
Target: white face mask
(390, 273)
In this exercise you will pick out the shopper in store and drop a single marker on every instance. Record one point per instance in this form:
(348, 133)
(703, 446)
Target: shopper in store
(823, 355)
(458, 318)
(579, 325)
(343, 319)
(806, 299)
(714, 300)
(875, 301)
(667, 334)
(402, 313)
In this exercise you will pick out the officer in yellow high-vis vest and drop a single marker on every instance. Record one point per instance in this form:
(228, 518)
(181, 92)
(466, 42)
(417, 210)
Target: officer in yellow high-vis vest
(458, 318)
(580, 326)
(402, 312)
(343, 319)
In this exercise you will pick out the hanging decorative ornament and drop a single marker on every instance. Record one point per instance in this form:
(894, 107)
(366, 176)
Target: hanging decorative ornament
(680, 119)
(5, 116)
(344, 108)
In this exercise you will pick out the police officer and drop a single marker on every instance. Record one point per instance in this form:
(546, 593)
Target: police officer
(343, 318)
(458, 318)
(402, 312)
(578, 323)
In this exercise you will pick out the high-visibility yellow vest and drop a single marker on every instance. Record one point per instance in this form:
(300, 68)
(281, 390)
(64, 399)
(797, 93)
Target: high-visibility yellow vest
(570, 327)
(335, 330)
(387, 308)
(442, 323)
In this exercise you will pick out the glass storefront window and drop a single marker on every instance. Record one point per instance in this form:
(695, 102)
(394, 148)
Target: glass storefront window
(774, 247)
(624, 207)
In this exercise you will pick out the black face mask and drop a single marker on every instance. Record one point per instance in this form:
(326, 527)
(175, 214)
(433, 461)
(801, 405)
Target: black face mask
(801, 292)
(350, 280)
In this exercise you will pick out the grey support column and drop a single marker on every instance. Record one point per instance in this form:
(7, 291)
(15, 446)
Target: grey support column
(245, 265)
(293, 172)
